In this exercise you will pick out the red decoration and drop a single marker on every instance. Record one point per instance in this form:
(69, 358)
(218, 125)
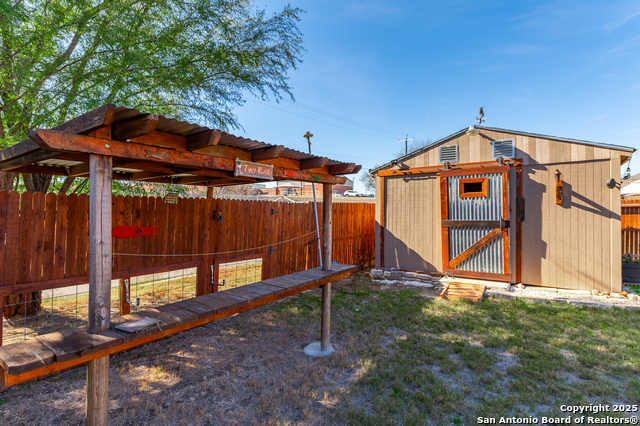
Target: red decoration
(134, 231)
(289, 174)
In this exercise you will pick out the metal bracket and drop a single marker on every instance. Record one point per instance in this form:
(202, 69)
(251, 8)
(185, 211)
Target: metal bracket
(504, 224)
(271, 249)
(224, 282)
(273, 211)
(127, 295)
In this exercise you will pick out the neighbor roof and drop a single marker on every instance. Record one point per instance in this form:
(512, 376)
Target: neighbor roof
(496, 129)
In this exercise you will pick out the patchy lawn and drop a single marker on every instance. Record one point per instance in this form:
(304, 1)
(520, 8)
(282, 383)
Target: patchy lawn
(403, 358)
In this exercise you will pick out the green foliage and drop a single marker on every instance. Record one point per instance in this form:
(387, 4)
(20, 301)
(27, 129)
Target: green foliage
(628, 258)
(413, 146)
(190, 60)
(368, 181)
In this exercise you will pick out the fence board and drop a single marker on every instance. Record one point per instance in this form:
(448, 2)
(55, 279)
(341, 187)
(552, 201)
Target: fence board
(45, 236)
(3, 230)
(61, 237)
(48, 249)
(24, 238)
(83, 235)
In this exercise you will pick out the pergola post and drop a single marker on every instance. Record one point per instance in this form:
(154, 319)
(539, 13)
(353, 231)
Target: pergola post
(323, 347)
(100, 169)
(325, 340)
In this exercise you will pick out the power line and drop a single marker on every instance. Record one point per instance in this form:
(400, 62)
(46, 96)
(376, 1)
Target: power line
(319, 121)
(337, 117)
(350, 156)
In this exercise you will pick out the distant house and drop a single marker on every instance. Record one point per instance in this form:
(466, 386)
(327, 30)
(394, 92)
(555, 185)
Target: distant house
(631, 186)
(287, 187)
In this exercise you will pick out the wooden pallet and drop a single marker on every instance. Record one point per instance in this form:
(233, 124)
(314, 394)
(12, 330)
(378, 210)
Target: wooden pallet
(454, 290)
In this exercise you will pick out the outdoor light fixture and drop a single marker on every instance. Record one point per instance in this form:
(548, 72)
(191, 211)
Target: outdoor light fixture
(627, 173)
(473, 130)
(611, 183)
(171, 198)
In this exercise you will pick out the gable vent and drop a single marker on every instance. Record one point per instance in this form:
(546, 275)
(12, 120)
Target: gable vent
(503, 148)
(449, 154)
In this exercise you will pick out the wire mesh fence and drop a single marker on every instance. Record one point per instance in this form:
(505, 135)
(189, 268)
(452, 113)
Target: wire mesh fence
(158, 289)
(236, 274)
(47, 311)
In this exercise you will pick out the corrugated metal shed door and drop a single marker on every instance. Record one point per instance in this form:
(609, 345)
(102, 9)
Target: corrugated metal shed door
(475, 222)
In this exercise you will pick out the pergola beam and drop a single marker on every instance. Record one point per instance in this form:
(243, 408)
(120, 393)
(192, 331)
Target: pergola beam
(81, 170)
(165, 140)
(85, 123)
(90, 121)
(313, 163)
(340, 169)
(203, 139)
(134, 128)
(53, 140)
(266, 153)
(142, 176)
(24, 160)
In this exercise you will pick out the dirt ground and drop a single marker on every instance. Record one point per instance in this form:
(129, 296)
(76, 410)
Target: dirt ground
(403, 357)
(243, 370)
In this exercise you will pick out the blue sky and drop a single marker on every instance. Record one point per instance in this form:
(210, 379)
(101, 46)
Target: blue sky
(564, 68)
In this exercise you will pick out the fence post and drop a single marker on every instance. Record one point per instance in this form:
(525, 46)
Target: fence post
(125, 307)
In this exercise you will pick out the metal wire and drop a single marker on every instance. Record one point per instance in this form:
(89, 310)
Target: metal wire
(69, 310)
(239, 273)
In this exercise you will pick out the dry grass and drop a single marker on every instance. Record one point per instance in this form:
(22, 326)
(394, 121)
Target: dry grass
(72, 311)
(402, 358)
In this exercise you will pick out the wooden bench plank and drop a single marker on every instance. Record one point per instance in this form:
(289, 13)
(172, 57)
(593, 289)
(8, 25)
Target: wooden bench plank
(201, 309)
(218, 304)
(235, 301)
(278, 283)
(239, 292)
(20, 363)
(166, 322)
(269, 288)
(259, 290)
(181, 315)
(25, 356)
(128, 337)
(76, 343)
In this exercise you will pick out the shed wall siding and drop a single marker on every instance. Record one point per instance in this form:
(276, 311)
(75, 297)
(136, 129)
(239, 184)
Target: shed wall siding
(412, 236)
(575, 245)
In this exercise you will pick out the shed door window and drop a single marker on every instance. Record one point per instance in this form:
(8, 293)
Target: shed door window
(472, 187)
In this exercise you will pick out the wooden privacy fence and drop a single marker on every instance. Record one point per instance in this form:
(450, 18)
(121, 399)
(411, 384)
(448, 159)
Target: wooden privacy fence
(44, 238)
(631, 226)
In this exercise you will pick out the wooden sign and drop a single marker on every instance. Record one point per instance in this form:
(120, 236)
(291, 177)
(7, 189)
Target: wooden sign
(254, 170)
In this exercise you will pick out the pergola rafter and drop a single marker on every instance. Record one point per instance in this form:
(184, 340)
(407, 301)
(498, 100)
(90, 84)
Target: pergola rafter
(152, 148)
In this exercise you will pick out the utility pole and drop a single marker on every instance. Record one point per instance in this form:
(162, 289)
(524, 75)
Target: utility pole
(406, 140)
(308, 135)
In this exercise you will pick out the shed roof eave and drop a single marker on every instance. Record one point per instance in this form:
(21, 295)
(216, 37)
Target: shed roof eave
(496, 129)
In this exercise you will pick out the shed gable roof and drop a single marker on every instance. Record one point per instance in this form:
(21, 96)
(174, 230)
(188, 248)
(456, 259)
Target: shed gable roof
(496, 129)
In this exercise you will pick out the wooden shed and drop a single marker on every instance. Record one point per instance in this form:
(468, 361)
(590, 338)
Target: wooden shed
(504, 205)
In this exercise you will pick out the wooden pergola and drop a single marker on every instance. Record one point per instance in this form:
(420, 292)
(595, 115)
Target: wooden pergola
(121, 143)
